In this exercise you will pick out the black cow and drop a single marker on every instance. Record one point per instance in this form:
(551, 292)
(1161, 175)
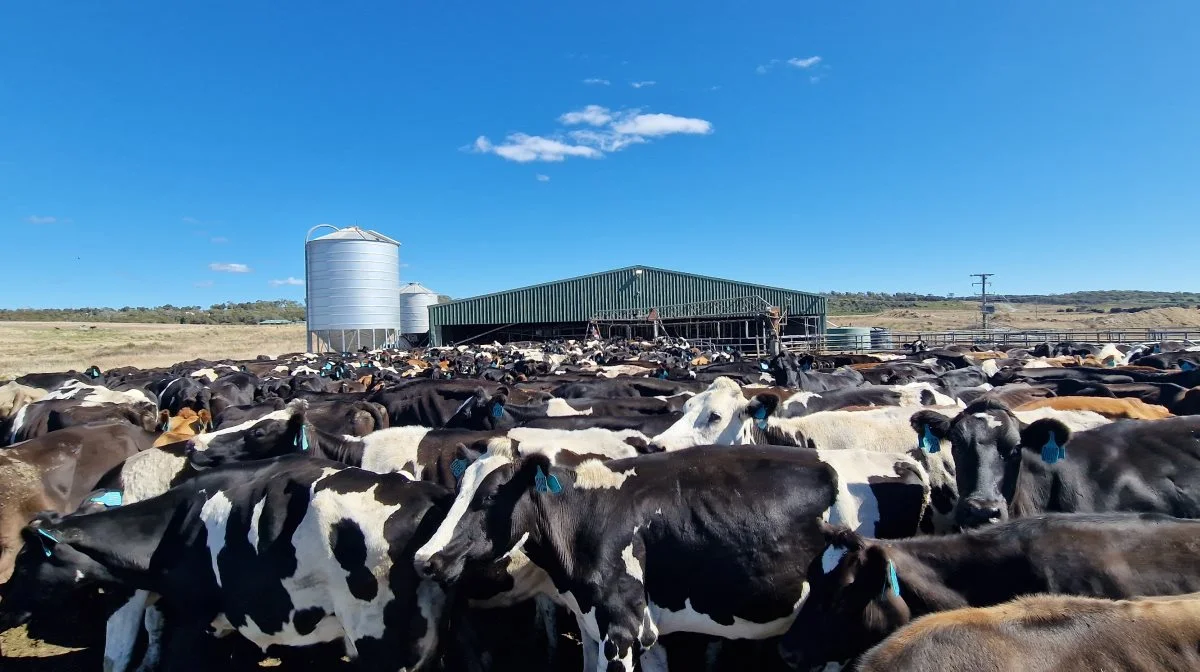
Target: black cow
(233, 389)
(624, 388)
(634, 545)
(295, 552)
(1004, 467)
(863, 590)
(178, 393)
(49, 415)
(650, 425)
(435, 403)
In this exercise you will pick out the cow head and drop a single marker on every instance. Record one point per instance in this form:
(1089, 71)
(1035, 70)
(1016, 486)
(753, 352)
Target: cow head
(278, 433)
(482, 412)
(47, 573)
(720, 415)
(986, 441)
(854, 602)
(490, 515)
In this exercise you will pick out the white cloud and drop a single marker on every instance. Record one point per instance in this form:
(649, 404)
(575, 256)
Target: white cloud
(38, 219)
(296, 282)
(219, 240)
(714, 87)
(596, 81)
(229, 268)
(642, 85)
(612, 131)
(594, 115)
(661, 124)
(762, 69)
(524, 148)
(542, 178)
(203, 283)
(804, 63)
(190, 220)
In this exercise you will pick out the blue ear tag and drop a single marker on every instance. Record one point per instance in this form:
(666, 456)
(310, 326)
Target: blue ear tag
(110, 499)
(764, 366)
(929, 443)
(498, 411)
(303, 440)
(893, 582)
(47, 535)
(1187, 366)
(458, 468)
(166, 425)
(1052, 452)
(543, 483)
(760, 417)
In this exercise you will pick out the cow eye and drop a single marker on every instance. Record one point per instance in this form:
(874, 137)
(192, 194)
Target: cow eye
(260, 433)
(714, 418)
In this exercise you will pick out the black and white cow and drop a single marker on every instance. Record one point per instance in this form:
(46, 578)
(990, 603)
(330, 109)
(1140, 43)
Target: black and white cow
(633, 546)
(293, 553)
(1007, 464)
(863, 589)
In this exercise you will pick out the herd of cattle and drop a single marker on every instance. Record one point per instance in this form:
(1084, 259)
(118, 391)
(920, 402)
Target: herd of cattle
(607, 505)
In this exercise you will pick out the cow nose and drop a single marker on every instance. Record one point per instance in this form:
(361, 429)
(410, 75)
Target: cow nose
(981, 512)
(427, 567)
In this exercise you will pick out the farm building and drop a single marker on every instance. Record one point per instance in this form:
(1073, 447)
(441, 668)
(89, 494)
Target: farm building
(638, 301)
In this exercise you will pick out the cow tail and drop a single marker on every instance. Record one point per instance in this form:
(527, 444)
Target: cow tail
(377, 412)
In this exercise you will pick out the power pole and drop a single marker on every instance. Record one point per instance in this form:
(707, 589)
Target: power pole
(983, 297)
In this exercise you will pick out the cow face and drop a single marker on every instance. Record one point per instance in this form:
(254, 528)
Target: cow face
(47, 573)
(481, 412)
(487, 517)
(720, 415)
(987, 440)
(854, 602)
(279, 433)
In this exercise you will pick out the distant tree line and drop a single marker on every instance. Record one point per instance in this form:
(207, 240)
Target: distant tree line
(251, 312)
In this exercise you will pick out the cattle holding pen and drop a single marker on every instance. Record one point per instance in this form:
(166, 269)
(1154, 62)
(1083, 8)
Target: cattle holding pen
(613, 504)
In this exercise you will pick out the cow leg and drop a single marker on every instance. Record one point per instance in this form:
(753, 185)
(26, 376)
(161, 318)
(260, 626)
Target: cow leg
(654, 660)
(186, 647)
(121, 633)
(547, 617)
(155, 624)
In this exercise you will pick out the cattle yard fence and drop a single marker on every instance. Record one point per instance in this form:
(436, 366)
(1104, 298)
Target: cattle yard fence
(891, 341)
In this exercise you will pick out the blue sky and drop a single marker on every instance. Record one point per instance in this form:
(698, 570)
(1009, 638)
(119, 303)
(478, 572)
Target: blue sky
(149, 149)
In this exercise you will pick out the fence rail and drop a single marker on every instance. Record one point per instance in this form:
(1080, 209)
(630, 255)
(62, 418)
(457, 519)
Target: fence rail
(882, 341)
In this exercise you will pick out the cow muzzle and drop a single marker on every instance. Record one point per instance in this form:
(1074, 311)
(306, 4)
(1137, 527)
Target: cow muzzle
(977, 512)
(438, 567)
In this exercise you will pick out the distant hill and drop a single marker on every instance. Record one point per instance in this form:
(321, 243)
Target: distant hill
(856, 303)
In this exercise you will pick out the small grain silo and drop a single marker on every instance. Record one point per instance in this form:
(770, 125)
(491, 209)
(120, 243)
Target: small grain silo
(351, 276)
(415, 300)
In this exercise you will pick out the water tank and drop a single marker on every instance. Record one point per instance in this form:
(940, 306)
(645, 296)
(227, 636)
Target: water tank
(351, 278)
(415, 300)
(881, 339)
(848, 339)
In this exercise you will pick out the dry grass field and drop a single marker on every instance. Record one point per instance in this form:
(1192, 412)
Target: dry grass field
(28, 347)
(1022, 317)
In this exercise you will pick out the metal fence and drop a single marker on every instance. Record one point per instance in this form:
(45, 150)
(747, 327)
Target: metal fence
(896, 340)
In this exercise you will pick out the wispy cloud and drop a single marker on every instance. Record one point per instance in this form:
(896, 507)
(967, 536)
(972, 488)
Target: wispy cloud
(715, 87)
(219, 240)
(596, 81)
(642, 85)
(612, 131)
(542, 178)
(804, 63)
(41, 219)
(762, 69)
(594, 115)
(203, 283)
(190, 220)
(296, 282)
(524, 148)
(229, 268)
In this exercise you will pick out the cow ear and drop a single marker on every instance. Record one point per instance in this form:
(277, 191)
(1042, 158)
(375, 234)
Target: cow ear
(526, 476)
(876, 575)
(931, 427)
(1048, 437)
(164, 420)
(762, 406)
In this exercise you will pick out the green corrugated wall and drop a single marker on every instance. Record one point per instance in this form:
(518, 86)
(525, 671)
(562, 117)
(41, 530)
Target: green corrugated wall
(579, 299)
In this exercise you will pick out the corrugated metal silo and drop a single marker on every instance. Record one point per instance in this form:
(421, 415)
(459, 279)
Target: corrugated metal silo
(415, 300)
(351, 278)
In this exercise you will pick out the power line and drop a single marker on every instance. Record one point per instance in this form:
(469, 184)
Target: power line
(983, 296)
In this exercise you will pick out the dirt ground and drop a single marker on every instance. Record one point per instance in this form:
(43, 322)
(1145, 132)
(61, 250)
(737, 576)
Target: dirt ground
(28, 347)
(1022, 317)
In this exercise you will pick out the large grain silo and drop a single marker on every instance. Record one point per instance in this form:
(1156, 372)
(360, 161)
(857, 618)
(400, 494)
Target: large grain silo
(351, 278)
(415, 300)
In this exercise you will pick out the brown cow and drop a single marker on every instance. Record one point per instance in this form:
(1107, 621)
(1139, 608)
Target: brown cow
(182, 427)
(1125, 408)
(15, 396)
(1048, 633)
(56, 472)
